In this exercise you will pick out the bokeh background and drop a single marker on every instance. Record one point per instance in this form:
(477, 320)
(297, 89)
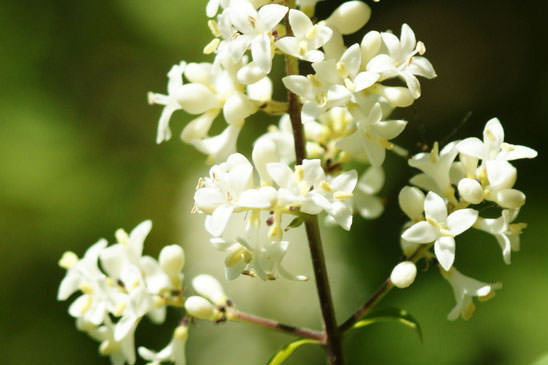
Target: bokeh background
(78, 160)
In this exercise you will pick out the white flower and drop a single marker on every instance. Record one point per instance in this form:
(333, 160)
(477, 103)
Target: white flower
(307, 37)
(403, 274)
(229, 188)
(493, 146)
(254, 28)
(441, 228)
(119, 351)
(370, 183)
(401, 60)
(465, 288)
(372, 135)
(173, 352)
(506, 233)
(435, 166)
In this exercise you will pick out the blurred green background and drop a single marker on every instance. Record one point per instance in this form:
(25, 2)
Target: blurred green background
(78, 160)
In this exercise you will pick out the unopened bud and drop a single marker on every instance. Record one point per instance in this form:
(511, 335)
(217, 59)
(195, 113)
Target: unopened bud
(349, 17)
(470, 190)
(398, 96)
(370, 45)
(510, 198)
(209, 287)
(403, 274)
(172, 260)
(411, 201)
(201, 308)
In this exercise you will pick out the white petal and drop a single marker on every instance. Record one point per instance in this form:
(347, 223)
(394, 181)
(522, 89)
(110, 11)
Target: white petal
(472, 146)
(435, 208)
(300, 23)
(313, 172)
(460, 220)
(444, 248)
(299, 85)
(260, 90)
(421, 232)
(493, 133)
(352, 59)
(137, 237)
(237, 108)
(411, 201)
(372, 180)
(199, 127)
(215, 223)
(253, 199)
(196, 98)
(391, 128)
(515, 152)
(262, 53)
(280, 173)
(407, 38)
(350, 16)
(363, 80)
(270, 15)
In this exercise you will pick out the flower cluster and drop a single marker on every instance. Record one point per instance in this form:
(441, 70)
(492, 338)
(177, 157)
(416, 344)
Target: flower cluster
(325, 156)
(482, 174)
(118, 286)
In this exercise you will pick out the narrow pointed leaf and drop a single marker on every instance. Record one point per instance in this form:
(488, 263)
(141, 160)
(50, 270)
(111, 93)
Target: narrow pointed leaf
(288, 349)
(390, 315)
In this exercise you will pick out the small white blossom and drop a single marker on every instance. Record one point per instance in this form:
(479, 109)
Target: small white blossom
(401, 60)
(208, 287)
(465, 288)
(201, 308)
(174, 352)
(506, 233)
(441, 228)
(308, 37)
(372, 135)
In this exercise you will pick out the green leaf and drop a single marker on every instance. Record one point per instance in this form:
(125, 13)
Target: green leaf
(297, 221)
(288, 349)
(390, 315)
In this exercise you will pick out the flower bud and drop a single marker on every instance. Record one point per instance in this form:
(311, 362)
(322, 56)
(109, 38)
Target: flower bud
(196, 98)
(201, 308)
(349, 17)
(370, 46)
(207, 286)
(510, 198)
(237, 108)
(411, 201)
(470, 190)
(398, 96)
(264, 152)
(172, 260)
(403, 274)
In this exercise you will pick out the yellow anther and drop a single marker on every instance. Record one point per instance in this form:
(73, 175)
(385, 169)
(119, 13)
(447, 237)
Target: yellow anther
(342, 195)
(349, 84)
(303, 47)
(68, 260)
(517, 227)
(86, 306)
(342, 71)
(252, 21)
(421, 48)
(120, 308)
(315, 80)
(489, 295)
(312, 32)
(489, 134)
(240, 255)
(469, 311)
(110, 282)
(122, 236)
(299, 173)
(108, 347)
(159, 301)
(325, 186)
(383, 142)
(181, 332)
(212, 46)
(135, 284)
(434, 153)
(86, 288)
(213, 27)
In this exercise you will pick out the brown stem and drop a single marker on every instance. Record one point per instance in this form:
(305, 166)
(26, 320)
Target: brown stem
(269, 323)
